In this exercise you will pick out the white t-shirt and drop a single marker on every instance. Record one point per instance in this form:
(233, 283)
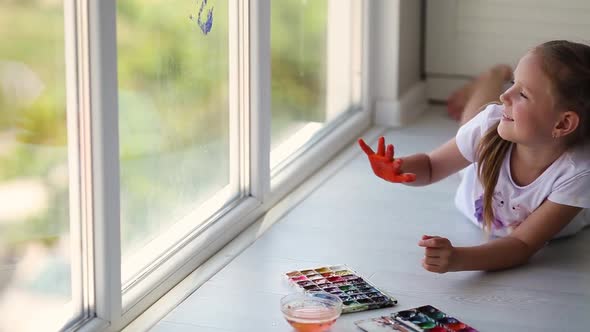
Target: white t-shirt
(566, 181)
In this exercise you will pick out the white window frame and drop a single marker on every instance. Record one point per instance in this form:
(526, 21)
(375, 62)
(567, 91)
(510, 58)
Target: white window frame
(82, 279)
(99, 82)
(94, 110)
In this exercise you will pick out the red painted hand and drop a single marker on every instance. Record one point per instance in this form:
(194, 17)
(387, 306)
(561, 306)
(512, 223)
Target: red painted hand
(383, 163)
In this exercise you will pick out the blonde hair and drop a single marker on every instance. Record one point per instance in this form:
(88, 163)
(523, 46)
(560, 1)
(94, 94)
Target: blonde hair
(490, 153)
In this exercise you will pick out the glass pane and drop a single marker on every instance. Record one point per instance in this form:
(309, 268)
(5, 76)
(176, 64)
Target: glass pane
(35, 276)
(173, 67)
(315, 54)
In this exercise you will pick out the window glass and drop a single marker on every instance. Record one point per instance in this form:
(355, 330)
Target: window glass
(35, 275)
(173, 114)
(315, 76)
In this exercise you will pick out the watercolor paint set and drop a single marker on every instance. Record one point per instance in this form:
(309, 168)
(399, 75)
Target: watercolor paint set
(421, 319)
(356, 292)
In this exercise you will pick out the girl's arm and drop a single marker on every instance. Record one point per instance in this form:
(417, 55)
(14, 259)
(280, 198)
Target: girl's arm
(516, 249)
(435, 166)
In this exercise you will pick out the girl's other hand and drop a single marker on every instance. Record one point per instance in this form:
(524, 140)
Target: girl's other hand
(383, 163)
(438, 253)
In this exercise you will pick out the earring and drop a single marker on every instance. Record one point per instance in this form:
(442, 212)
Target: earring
(554, 135)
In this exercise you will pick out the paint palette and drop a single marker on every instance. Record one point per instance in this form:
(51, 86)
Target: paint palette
(421, 319)
(429, 318)
(357, 293)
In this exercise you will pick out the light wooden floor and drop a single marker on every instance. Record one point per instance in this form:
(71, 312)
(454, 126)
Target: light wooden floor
(356, 219)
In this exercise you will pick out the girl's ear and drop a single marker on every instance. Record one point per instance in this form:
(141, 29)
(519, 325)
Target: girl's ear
(568, 123)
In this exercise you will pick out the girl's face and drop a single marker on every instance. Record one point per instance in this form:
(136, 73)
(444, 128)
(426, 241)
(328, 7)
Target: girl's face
(529, 105)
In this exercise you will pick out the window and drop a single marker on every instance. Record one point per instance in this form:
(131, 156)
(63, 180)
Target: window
(35, 234)
(174, 124)
(316, 70)
(138, 138)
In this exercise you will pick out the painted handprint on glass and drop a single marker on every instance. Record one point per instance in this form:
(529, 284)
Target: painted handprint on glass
(206, 25)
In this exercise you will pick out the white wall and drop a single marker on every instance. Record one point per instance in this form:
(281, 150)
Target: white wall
(465, 37)
(410, 35)
(398, 92)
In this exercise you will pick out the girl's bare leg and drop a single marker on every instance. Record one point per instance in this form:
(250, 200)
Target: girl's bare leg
(486, 88)
(457, 100)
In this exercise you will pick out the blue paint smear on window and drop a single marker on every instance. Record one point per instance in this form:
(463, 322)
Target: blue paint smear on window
(208, 24)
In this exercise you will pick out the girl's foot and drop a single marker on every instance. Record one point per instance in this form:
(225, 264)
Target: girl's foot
(458, 99)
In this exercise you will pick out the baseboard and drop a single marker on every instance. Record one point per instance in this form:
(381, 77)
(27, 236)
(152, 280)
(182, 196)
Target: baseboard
(403, 111)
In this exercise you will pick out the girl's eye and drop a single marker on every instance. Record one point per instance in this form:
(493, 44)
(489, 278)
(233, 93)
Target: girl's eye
(521, 94)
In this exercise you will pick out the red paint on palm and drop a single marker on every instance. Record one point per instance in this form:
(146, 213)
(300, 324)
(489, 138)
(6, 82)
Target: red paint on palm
(383, 163)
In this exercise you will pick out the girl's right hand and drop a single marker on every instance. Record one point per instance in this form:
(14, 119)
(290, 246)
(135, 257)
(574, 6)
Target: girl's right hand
(383, 163)
(438, 254)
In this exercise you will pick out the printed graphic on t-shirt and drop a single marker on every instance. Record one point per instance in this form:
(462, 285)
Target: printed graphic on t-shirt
(505, 216)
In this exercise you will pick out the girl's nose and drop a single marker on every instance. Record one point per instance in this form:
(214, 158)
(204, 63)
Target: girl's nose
(504, 98)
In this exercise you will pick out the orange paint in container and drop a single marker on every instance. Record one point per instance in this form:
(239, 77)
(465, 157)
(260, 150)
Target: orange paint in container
(311, 312)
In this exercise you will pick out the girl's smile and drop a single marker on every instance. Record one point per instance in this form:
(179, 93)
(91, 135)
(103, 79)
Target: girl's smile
(506, 117)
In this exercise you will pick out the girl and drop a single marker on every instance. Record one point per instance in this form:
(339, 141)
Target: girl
(527, 172)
